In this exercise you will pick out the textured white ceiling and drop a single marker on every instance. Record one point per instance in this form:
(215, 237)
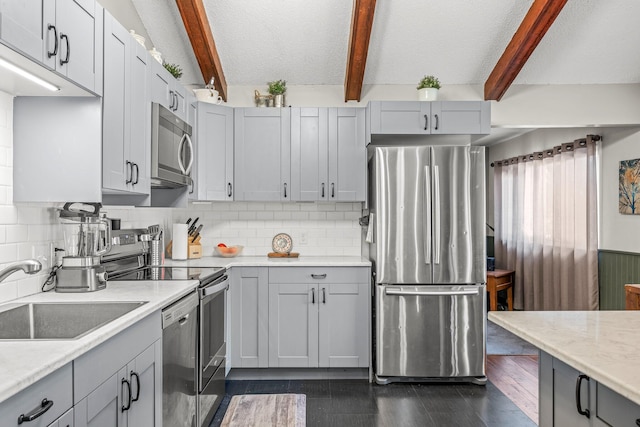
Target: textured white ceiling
(460, 41)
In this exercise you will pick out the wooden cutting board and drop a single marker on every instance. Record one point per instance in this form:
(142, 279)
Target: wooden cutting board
(289, 255)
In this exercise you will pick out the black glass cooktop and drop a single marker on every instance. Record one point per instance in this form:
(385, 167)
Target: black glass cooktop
(169, 273)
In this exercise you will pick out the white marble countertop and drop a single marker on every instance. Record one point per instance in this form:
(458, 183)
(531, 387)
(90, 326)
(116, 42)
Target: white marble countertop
(602, 344)
(264, 261)
(22, 363)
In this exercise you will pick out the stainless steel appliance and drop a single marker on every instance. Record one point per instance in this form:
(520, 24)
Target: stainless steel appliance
(179, 367)
(86, 237)
(172, 152)
(212, 349)
(427, 213)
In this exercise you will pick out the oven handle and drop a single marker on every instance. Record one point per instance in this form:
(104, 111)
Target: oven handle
(222, 284)
(398, 291)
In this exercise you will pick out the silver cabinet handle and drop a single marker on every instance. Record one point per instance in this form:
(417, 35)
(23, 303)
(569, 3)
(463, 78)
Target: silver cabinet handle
(426, 122)
(229, 189)
(324, 296)
(437, 122)
(313, 295)
(400, 292)
(319, 276)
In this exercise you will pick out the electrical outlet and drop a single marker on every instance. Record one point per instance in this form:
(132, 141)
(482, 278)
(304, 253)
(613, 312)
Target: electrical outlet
(303, 238)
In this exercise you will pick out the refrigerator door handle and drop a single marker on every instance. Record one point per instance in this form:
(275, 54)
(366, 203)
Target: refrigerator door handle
(401, 292)
(427, 210)
(436, 215)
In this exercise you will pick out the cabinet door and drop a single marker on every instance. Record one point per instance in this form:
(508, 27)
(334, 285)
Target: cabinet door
(140, 120)
(293, 325)
(145, 375)
(343, 325)
(214, 152)
(78, 35)
(249, 317)
(104, 406)
(309, 153)
(116, 104)
(160, 85)
(262, 154)
(558, 394)
(400, 117)
(65, 420)
(347, 155)
(24, 26)
(180, 100)
(460, 117)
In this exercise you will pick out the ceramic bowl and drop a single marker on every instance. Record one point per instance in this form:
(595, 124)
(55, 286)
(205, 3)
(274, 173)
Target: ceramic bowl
(229, 251)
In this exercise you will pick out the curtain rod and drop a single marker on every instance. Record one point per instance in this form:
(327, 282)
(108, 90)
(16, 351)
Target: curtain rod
(568, 146)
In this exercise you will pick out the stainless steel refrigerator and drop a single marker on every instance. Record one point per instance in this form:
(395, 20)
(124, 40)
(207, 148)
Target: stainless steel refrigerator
(427, 244)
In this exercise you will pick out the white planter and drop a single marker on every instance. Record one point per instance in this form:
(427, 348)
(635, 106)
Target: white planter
(427, 94)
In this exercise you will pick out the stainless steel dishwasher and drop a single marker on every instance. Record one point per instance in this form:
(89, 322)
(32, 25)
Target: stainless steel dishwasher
(179, 362)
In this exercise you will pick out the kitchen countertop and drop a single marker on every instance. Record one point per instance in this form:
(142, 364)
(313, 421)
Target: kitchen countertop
(22, 363)
(601, 344)
(264, 261)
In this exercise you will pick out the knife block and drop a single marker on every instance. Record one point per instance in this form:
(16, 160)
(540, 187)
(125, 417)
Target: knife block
(194, 249)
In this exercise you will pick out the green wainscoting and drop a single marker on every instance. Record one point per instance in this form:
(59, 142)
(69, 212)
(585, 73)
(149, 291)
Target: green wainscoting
(616, 269)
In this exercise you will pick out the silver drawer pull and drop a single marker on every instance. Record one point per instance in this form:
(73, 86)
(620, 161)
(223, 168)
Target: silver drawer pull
(319, 276)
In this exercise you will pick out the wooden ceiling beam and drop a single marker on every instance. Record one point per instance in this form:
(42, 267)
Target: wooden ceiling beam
(361, 24)
(198, 29)
(533, 27)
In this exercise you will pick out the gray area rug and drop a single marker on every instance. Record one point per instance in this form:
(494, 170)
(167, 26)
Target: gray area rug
(502, 342)
(264, 410)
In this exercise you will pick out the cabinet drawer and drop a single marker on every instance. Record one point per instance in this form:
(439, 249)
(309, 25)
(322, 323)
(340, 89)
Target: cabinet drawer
(56, 387)
(93, 368)
(305, 275)
(614, 409)
(502, 280)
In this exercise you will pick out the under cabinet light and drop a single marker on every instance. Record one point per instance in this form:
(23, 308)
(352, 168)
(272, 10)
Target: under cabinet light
(27, 75)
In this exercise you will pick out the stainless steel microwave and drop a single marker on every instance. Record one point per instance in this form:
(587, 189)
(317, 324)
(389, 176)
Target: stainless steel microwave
(172, 153)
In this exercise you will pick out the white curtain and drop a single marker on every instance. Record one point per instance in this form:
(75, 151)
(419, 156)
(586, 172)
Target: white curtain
(546, 226)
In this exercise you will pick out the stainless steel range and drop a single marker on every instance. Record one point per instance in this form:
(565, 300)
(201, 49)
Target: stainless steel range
(205, 375)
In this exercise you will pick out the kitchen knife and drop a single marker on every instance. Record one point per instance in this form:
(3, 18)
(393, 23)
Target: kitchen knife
(197, 232)
(188, 221)
(191, 229)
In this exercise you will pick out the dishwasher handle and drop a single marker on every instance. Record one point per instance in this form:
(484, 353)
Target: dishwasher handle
(440, 293)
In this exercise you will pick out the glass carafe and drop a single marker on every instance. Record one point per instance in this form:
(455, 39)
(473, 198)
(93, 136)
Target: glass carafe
(85, 233)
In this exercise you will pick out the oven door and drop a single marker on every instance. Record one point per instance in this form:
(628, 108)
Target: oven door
(212, 326)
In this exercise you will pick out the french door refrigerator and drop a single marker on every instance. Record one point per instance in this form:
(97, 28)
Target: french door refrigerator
(427, 213)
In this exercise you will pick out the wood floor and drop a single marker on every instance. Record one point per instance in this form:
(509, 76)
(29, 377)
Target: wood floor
(517, 378)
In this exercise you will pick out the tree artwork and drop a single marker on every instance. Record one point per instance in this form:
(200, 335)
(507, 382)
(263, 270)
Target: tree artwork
(629, 187)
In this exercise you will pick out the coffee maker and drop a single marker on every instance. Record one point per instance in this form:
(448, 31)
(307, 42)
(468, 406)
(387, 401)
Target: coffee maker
(86, 237)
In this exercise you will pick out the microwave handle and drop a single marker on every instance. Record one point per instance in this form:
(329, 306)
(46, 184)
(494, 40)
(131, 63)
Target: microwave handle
(180, 146)
(188, 168)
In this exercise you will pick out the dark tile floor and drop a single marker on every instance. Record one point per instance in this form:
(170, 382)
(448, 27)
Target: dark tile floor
(357, 403)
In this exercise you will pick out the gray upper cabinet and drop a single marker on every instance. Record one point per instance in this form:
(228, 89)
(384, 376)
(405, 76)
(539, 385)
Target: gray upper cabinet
(166, 90)
(126, 115)
(262, 154)
(328, 154)
(426, 118)
(63, 35)
(214, 152)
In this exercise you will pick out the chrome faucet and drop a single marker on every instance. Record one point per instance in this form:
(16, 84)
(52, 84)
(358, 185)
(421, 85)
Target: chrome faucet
(29, 266)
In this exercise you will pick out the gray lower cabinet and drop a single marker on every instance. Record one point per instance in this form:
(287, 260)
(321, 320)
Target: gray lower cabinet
(249, 323)
(328, 154)
(50, 397)
(319, 317)
(119, 383)
(126, 115)
(66, 420)
(428, 118)
(214, 152)
(262, 143)
(570, 398)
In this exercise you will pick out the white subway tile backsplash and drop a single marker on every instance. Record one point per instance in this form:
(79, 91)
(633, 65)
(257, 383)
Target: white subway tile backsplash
(16, 233)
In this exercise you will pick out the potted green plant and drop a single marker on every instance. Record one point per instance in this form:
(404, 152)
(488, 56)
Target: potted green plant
(174, 69)
(277, 88)
(428, 88)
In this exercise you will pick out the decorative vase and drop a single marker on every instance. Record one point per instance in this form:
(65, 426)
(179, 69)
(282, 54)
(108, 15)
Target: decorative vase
(278, 100)
(427, 94)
